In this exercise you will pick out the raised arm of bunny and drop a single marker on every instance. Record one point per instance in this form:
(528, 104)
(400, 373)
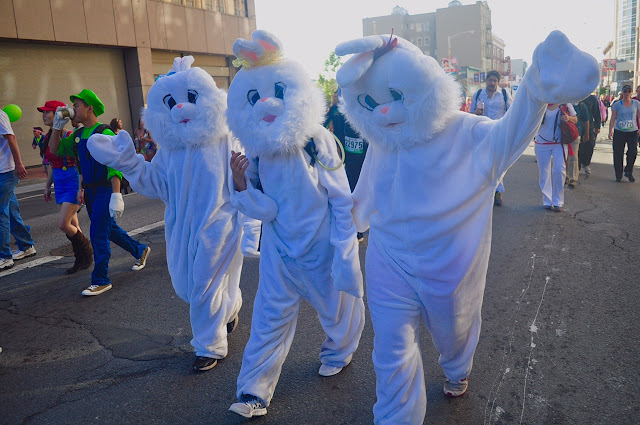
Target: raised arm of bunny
(146, 178)
(560, 73)
(345, 268)
(363, 202)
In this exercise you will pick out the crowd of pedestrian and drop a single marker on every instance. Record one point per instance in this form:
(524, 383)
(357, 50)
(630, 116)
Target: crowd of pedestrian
(78, 180)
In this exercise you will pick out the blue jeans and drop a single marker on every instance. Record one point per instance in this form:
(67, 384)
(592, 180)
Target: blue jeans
(10, 219)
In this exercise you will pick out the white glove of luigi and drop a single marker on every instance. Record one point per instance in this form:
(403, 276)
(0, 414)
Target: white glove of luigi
(59, 123)
(116, 205)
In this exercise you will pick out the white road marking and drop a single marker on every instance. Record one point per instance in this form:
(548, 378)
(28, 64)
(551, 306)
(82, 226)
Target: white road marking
(30, 264)
(43, 260)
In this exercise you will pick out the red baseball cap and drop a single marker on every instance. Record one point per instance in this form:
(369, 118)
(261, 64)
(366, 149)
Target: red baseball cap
(51, 105)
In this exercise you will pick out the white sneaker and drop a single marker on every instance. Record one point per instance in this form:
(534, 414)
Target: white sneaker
(587, 170)
(142, 261)
(6, 263)
(455, 388)
(326, 370)
(19, 255)
(253, 406)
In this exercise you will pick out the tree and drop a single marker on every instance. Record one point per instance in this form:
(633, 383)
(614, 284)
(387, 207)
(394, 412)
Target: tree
(327, 79)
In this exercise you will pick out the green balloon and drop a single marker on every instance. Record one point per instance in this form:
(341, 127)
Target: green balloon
(13, 111)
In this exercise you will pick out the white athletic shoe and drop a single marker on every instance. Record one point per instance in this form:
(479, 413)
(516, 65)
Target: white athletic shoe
(252, 406)
(455, 388)
(6, 263)
(326, 370)
(19, 255)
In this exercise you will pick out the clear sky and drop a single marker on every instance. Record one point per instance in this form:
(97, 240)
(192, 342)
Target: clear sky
(310, 29)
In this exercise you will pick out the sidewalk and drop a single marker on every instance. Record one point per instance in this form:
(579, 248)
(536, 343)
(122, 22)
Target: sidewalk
(35, 181)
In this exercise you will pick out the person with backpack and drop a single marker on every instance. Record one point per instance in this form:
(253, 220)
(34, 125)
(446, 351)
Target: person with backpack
(64, 174)
(573, 170)
(586, 147)
(100, 187)
(551, 154)
(485, 102)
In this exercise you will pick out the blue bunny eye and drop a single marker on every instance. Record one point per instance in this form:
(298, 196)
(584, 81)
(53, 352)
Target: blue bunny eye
(253, 96)
(192, 95)
(169, 101)
(367, 102)
(280, 89)
(397, 94)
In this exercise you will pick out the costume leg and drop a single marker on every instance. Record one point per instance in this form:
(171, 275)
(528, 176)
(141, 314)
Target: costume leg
(214, 300)
(558, 174)
(275, 314)
(18, 229)
(122, 238)
(395, 311)
(543, 155)
(100, 232)
(341, 315)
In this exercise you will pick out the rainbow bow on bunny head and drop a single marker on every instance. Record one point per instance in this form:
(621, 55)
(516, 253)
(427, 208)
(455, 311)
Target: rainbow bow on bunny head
(263, 49)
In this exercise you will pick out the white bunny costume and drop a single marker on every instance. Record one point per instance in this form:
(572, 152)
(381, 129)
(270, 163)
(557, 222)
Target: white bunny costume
(426, 191)
(191, 174)
(309, 248)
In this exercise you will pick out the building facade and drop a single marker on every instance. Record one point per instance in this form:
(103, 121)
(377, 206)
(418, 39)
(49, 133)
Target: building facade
(50, 49)
(625, 43)
(460, 31)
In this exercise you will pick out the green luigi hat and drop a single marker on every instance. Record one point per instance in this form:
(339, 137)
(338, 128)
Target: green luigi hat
(91, 99)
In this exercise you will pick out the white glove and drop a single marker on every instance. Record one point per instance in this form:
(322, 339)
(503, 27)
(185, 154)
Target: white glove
(59, 123)
(107, 150)
(116, 205)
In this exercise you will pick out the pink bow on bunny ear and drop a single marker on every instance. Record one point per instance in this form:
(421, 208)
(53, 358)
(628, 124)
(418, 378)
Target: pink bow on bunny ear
(265, 48)
(182, 64)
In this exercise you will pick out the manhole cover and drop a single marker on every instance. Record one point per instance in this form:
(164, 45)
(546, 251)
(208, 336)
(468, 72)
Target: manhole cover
(63, 251)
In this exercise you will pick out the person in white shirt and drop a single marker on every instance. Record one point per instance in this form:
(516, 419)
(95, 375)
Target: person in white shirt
(551, 154)
(490, 103)
(11, 170)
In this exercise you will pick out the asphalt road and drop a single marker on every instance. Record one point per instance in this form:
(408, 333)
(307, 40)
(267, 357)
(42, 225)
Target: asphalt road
(559, 342)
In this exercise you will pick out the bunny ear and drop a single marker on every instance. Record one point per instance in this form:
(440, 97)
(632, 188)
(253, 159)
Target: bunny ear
(265, 48)
(182, 64)
(361, 45)
(354, 68)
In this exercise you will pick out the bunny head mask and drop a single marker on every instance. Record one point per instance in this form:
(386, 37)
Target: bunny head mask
(272, 104)
(185, 108)
(395, 95)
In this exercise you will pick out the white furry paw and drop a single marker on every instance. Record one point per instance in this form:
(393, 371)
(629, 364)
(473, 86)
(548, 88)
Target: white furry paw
(106, 149)
(560, 72)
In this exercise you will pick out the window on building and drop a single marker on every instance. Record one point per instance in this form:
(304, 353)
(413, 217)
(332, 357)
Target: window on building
(208, 4)
(189, 3)
(425, 27)
(427, 41)
(240, 7)
(419, 42)
(220, 6)
(412, 26)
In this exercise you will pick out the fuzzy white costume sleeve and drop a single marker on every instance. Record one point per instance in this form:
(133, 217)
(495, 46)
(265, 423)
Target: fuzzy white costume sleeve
(345, 268)
(146, 178)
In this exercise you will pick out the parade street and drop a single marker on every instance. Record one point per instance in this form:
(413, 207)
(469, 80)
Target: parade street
(558, 345)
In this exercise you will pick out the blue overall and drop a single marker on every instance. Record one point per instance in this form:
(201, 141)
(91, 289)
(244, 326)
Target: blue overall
(97, 194)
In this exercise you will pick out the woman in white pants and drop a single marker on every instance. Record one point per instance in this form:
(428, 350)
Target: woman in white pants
(548, 148)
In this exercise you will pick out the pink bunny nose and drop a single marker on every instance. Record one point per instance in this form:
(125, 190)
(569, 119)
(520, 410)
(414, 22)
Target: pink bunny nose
(179, 105)
(384, 110)
(264, 99)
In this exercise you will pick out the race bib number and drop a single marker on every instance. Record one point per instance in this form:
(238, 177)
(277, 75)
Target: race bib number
(353, 145)
(625, 125)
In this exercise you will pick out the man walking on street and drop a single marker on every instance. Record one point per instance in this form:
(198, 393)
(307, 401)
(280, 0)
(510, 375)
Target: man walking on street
(585, 151)
(486, 102)
(11, 170)
(100, 189)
